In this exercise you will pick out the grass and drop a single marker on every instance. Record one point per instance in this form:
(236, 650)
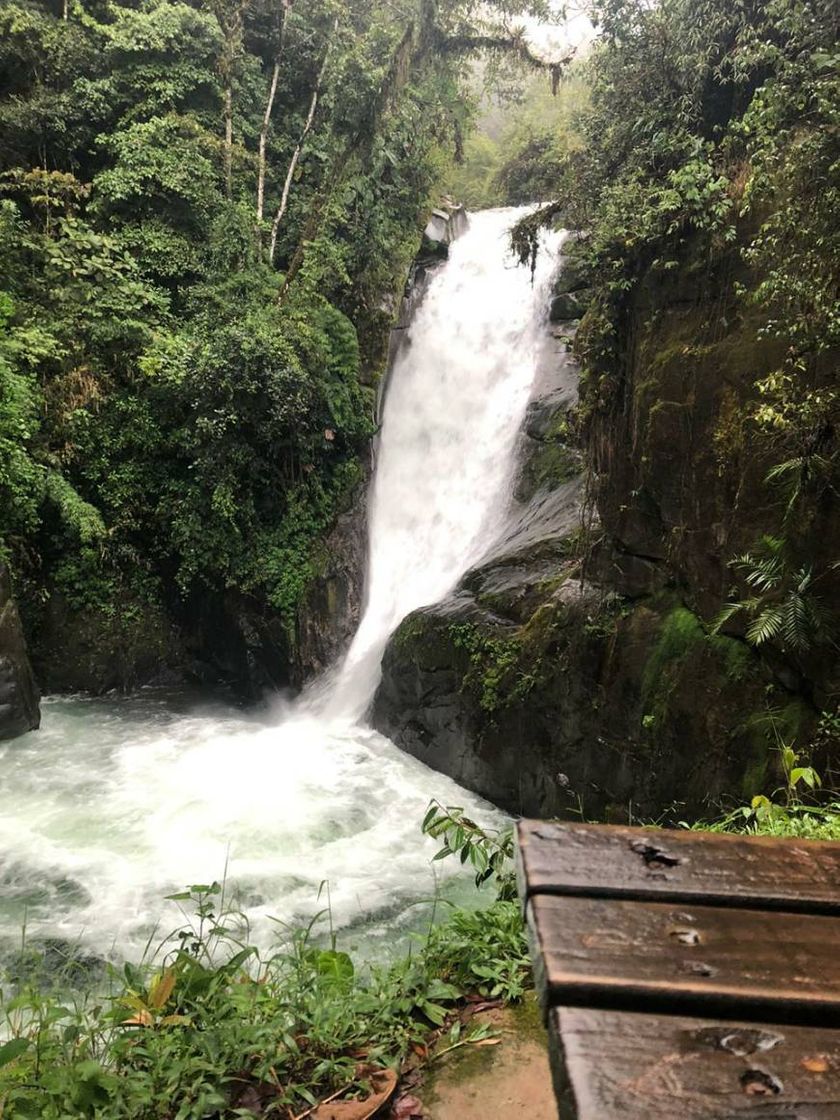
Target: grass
(800, 809)
(794, 821)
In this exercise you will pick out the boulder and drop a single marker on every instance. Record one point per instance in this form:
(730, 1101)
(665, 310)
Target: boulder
(571, 277)
(446, 222)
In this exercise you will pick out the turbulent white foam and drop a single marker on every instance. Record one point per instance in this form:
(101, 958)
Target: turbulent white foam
(115, 803)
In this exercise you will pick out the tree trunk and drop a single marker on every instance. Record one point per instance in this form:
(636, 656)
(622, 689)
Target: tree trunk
(287, 185)
(406, 54)
(307, 128)
(231, 19)
(266, 122)
(228, 113)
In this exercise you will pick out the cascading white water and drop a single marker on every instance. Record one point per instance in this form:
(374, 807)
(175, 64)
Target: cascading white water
(453, 410)
(117, 802)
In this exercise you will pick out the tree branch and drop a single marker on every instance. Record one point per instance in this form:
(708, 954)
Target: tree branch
(508, 43)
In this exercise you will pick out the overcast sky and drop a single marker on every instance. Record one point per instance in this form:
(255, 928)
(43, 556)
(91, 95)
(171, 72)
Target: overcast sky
(553, 40)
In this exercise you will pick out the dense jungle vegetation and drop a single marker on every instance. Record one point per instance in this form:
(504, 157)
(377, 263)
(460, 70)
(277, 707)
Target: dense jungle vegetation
(204, 210)
(705, 178)
(207, 212)
(712, 138)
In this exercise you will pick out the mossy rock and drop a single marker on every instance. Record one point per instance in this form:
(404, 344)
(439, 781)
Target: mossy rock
(571, 278)
(551, 465)
(566, 306)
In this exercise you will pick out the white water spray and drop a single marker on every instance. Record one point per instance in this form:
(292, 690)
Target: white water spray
(117, 802)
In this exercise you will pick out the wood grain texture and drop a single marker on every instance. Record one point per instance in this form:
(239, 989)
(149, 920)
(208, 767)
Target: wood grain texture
(680, 866)
(613, 1066)
(696, 960)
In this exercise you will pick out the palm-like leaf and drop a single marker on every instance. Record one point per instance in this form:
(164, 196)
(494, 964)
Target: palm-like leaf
(767, 625)
(729, 611)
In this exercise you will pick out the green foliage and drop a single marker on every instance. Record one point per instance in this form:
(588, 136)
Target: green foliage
(489, 853)
(203, 210)
(211, 1024)
(496, 672)
(781, 604)
(714, 157)
(514, 157)
(21, 479)
(787, 812)
(687, 136)
(485, 951)
(175, 410)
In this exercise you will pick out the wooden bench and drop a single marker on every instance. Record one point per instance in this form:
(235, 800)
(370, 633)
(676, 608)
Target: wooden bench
(685, 975)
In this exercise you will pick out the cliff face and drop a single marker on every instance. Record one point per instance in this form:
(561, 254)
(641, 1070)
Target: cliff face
(19, 711)
(574, 670)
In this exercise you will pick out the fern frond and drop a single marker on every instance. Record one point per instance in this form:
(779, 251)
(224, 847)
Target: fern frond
(720, 620)
(767, 574)
(791, 466)
(774, 545)
(802, 580)
(768, 625)
(795, 623)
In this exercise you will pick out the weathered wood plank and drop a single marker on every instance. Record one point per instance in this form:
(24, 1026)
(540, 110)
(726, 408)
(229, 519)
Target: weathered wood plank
(700, 867)
(694, 960)
(613, 1066)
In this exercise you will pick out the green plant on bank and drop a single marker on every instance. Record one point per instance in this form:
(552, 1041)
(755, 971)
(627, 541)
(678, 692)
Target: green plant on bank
(788, 811)
(782, 607)
(495, 672)
(212, 1027)
(488, 851)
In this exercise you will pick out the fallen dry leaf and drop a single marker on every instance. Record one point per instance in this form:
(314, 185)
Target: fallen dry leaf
(384, 1083)
(479, 1003)
(407, 1108)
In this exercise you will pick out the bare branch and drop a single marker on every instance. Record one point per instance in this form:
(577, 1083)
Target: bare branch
(284, 200)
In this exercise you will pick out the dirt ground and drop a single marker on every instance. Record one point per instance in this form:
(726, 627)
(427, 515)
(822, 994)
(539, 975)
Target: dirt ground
(511, 1079)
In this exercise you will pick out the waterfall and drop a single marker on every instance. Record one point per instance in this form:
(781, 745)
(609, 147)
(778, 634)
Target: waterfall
(453, 410)
(117, 802)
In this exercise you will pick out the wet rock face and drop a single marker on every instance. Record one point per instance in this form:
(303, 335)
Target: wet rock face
(571, 671)
(19, 696)
(92, 650)
(331, 608)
